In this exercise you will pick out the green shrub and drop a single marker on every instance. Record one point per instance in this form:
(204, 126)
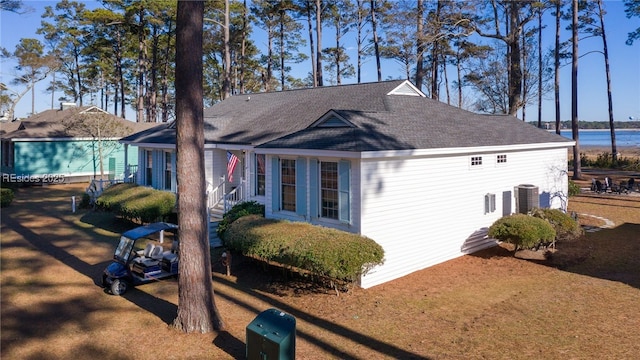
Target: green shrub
(6, 197)
(322, 251)
(605, 161)
(85, 203)
(574, 189)
(115, 194)
(238, 211)
(524, 231)
(566, 227)
(134, 202)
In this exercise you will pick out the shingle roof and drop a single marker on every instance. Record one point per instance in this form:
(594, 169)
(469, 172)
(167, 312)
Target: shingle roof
(53, 124)
(382, 121)
(8, 126)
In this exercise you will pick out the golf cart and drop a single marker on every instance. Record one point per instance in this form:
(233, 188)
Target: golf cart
(144, 254)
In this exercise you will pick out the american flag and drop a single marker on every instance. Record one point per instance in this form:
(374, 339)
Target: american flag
(232, 161)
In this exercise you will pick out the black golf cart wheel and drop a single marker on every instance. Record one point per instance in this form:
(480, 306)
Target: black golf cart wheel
(119, 287)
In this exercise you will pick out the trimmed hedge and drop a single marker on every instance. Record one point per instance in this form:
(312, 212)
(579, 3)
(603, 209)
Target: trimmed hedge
(524, 231)
(566, 227)
(134, 202)
(6, 197)
(322, 251)
(238, 211)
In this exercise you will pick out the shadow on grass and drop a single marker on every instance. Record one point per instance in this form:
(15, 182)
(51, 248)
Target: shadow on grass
(609, 254)
(47, 204)
(614, 254)
(23, 325)
(251, 284)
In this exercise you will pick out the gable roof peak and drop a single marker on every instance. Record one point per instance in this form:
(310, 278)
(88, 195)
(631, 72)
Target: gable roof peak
(331, 119)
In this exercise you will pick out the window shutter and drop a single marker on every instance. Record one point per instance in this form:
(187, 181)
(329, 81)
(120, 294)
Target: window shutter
(158, 169)
(314, 192)
(301, 186)
(344, 189)
(140, 172)
(489, 203)
(486, 204)
(174, 171)
(253, 179)
(275, 184)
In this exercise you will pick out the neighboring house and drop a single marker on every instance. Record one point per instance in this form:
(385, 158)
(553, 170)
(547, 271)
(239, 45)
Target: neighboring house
(68, 143)
(423, 179)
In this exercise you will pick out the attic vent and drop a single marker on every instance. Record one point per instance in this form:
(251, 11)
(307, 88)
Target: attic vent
(406, 88)
(333, 122)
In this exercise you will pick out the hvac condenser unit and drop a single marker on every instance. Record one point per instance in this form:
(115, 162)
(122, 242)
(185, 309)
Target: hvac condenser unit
(526, 198)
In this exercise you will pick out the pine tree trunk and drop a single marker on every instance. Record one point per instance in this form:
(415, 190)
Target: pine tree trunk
(577, 171)
(376, 44)
(319, 42)
(197, 311)
(556, 67)
(605, 50)
(226, 82)
(420, 45)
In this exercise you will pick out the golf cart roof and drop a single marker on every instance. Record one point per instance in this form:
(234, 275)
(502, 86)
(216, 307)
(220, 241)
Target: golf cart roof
(146, 230)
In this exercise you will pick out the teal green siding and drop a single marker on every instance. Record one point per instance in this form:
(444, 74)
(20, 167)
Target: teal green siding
(70, 157)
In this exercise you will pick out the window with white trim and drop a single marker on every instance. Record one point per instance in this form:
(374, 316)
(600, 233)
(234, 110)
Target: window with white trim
(167, 171)
(288, 184)
(329, 205)
(476, 160)
(501, 159)
(260, 174)
(149, 168)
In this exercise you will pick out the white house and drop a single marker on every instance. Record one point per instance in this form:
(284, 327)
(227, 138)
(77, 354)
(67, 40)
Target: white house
(423, 179)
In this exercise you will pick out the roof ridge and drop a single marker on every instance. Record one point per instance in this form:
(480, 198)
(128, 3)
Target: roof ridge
(319, 88)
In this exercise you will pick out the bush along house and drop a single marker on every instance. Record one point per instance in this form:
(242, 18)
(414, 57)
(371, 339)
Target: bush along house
(423, 179)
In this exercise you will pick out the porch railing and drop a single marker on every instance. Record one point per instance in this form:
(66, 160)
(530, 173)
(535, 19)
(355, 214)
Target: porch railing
(97, 186)
(233, 197)
(131, 175)
(216, 194)
(219, 197)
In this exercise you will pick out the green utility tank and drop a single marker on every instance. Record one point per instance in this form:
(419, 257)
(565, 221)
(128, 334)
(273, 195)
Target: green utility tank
(272, 335)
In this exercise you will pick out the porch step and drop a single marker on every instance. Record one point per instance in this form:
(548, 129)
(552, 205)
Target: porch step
(216, 212)
(214, 240)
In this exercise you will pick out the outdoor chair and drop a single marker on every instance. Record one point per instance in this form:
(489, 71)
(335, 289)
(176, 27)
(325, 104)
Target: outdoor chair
(598, 187)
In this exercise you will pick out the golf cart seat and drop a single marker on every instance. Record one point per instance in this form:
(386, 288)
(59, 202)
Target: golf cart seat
(147, 251)
(151, 256)
(171, 255)
(156, 252)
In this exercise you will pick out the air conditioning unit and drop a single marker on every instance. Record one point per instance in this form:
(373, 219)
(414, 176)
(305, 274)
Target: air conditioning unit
(526, 198)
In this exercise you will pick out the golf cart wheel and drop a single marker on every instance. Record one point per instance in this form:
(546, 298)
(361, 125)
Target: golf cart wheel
(119, 287)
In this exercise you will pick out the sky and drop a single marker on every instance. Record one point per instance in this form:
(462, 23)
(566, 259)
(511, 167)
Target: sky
(592, 93)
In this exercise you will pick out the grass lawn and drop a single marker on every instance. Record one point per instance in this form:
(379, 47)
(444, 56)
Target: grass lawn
(582, 303)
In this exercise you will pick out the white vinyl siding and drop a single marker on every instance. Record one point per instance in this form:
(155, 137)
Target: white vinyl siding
(424, 211)
(208, 169)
